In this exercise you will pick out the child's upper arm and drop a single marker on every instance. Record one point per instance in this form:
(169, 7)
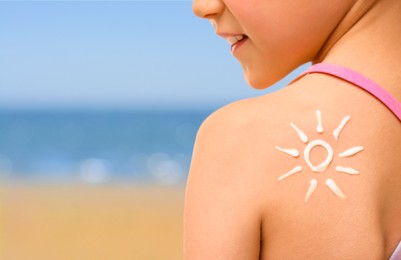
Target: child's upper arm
(221, 220)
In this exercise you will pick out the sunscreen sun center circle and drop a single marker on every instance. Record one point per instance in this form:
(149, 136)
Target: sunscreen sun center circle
(321, 167)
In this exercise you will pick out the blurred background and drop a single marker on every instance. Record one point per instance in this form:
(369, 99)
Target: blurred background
(100, 102)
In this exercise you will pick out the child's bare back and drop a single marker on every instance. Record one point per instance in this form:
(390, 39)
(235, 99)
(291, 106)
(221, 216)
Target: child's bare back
(258, 189)
(239, 206)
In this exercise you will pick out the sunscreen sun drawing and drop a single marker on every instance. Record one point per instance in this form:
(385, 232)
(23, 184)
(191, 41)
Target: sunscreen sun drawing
(330, 183)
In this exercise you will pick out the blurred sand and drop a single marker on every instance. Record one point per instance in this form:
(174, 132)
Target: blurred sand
(91, 222)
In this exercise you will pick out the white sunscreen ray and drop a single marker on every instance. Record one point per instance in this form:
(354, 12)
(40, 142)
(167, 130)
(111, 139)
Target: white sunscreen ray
(292, 152)
(319, 127)
(301, 134)
(337, 131)
(293, 171)
(312, 188)
(351, 151)
(348, 170)
(333, 186)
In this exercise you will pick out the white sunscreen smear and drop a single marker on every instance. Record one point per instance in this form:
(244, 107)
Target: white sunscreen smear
(319, 127)
(351, 151)
(292, 152)
(312, 188)
(348, 170)
(293, 171)
(301, 134)
(323, 166)
(333, 186)
(337, 131)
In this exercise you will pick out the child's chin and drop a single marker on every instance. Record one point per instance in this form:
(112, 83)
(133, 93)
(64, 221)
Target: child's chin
(258, 82)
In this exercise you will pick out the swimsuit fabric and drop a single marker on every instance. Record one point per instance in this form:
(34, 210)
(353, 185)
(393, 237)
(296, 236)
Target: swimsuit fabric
(360, 81)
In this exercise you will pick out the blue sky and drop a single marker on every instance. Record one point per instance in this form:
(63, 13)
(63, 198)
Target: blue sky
(114, 54)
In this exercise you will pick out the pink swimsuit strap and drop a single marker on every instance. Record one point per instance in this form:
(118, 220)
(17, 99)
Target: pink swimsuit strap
(397, 253)
(358, 80)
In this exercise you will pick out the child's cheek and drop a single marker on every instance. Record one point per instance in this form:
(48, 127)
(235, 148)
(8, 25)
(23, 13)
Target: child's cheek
(258, 17)
(246, 9)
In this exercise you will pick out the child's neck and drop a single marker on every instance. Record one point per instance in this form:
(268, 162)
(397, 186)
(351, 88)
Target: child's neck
(372, 46)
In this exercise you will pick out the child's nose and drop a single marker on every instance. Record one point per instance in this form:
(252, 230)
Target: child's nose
(207, 8)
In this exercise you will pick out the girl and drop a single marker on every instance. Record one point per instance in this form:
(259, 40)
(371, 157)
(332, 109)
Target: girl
(312, 171)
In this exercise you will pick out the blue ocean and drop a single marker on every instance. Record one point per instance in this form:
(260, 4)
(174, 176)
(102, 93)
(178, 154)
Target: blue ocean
(97, 146)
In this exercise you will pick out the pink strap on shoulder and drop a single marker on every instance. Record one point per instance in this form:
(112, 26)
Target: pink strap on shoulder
(397, 253)
(359, 80)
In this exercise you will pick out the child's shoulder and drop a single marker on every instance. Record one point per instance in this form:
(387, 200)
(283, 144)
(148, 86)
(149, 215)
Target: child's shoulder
(239, 158)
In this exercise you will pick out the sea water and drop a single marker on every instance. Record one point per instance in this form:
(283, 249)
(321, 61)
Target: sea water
(98, 146)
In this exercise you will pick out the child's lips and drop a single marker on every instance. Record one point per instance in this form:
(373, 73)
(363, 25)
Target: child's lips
(238, 43)
(235, 40)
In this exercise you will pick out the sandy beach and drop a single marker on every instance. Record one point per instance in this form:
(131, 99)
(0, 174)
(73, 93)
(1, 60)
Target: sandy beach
(91, 222)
